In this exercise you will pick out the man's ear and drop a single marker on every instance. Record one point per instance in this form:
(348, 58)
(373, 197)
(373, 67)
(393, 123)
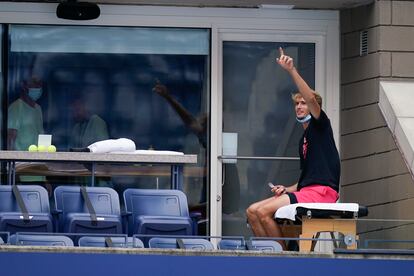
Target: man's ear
(24, 87)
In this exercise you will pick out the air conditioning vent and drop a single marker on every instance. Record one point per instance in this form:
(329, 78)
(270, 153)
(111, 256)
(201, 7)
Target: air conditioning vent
(363, 43)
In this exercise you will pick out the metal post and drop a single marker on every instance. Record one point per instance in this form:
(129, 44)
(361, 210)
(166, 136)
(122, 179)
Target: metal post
(177, 177)
(93, 174)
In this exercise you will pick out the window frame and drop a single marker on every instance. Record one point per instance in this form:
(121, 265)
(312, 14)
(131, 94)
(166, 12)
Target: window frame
(319, 26)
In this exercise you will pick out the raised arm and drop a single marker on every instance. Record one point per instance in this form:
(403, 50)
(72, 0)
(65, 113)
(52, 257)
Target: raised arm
(308, 94)
(189, 120)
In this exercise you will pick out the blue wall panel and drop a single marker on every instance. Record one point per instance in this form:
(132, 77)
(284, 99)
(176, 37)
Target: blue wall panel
(62, 264)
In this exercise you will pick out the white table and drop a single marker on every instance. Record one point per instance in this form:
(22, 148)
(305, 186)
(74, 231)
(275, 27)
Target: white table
(176, 162)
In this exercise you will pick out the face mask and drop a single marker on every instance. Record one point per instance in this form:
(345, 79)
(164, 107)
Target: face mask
(35, 93)
(304, 119)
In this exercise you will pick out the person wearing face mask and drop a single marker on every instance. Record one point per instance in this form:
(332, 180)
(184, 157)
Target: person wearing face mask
(25, 119)
(319, 160)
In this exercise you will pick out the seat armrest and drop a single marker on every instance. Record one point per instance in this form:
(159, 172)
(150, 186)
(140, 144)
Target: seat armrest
(195, 215)
(126, 214)
(56, 212)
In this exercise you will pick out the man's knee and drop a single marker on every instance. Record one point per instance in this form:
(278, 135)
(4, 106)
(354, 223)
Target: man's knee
(251, 211)
(264, 214)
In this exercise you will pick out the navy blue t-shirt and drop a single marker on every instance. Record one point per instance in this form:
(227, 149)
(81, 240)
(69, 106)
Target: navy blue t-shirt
(319, 158)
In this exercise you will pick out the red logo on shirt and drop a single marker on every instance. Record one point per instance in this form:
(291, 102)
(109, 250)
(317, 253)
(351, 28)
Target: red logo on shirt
(304, 147)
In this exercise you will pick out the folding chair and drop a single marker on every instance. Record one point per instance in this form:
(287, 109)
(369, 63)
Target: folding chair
(87, 210)
(157, 212)
(110, 241)
(181, 243)
(24, 208)
(234, 243)
(40, 240)
(264, 245)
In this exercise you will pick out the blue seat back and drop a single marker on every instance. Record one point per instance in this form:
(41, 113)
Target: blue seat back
(150, 202)
(68, 199)
(189, 243)
(95, 241)
(265, 245)
(232, 244)
(156, 202)
(40, 240)
(35, 198)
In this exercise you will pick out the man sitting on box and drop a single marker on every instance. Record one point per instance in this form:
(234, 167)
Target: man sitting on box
(319, 160)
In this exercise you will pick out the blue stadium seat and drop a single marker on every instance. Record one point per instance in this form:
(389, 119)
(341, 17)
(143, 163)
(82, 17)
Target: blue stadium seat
(190, 243)
(232, 244)
(87, 210)
(264, 245)
(157, 212)
(94, 241)
(40, 240)
(24, 208)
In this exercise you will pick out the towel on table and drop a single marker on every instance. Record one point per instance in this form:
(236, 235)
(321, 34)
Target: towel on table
(111, 145)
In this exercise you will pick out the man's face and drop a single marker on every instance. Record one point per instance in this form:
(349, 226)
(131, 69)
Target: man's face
(79, 111)
(301, 108)
(34, 83)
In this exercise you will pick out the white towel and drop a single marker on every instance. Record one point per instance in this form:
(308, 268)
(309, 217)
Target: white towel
(289, 211)
(111, 145)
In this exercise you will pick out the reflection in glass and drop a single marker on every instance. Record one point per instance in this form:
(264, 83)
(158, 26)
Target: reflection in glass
(1, 81)
(257, 106)
(98, 84)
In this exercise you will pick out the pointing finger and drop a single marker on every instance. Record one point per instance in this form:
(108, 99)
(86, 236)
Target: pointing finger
(281, 51)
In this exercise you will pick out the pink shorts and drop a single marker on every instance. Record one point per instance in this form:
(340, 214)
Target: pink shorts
(315, 194)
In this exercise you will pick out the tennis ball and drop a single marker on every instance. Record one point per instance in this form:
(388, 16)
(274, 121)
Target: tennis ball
(51, 148)
(41, 148)
(32, 148)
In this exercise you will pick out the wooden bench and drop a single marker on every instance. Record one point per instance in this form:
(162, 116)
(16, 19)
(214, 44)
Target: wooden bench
(308, 220)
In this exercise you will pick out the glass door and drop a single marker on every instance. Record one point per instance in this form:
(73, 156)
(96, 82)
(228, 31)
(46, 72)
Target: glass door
(259, 126)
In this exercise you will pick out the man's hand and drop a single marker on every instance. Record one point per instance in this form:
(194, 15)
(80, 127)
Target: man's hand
(279, 190)
(285, 61)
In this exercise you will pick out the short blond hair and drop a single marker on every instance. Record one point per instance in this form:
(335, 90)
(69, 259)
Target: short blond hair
(297, 95)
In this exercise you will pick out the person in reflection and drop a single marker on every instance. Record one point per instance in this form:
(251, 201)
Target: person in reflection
(319, 160)
(88, 128)
(25, 123)
(25, 120)
(199, 126)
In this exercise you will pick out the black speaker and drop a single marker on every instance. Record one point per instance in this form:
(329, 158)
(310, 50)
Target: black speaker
(78, 10)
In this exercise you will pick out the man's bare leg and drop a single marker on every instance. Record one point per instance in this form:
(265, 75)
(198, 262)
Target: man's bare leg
(266, 212)
(254, 218)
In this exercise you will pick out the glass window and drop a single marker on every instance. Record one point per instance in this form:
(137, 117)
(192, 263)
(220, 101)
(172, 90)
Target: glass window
(147, 84)
(1, 82)
(257, 105)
